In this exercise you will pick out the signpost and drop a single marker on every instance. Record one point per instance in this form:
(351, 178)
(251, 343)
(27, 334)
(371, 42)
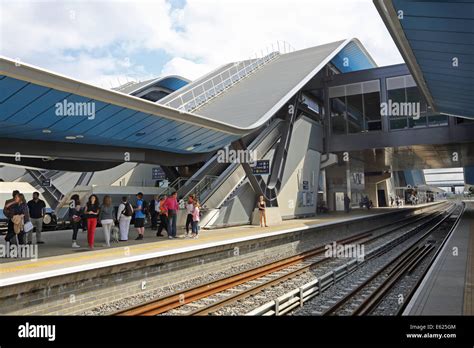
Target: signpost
(261, 167)
(158, 174)
(305, 185)
(46, 183)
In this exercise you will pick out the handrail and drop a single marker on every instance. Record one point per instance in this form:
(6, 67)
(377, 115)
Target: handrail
(206, 94)
(214, 89)
(230, 170)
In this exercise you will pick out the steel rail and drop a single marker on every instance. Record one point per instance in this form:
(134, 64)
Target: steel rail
(399, 266)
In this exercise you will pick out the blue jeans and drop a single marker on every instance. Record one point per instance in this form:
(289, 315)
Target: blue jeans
(172, 223)
(195, 227)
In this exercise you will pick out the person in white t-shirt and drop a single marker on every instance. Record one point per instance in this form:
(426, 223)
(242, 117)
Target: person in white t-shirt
(124, 216)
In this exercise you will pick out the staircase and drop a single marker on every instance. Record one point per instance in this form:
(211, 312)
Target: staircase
(52, 194)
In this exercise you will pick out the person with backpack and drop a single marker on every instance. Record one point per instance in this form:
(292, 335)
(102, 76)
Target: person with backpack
(140, 215)
(124, 216)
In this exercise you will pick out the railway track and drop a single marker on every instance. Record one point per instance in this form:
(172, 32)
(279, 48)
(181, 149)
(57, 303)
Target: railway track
(363, 299)
(273, 271)
(208, 298)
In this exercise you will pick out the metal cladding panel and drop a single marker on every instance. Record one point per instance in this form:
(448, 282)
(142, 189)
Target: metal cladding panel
(262, 93)
(438, 33)
(352, 58)
(28, 111)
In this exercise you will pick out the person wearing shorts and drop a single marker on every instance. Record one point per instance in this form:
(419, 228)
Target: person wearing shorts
(139, 217)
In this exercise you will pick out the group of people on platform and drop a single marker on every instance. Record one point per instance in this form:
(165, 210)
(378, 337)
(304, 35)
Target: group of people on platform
(162, 211)
(25, 217)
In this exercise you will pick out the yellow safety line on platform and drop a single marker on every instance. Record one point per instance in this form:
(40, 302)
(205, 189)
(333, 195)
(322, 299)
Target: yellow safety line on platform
(133, 250)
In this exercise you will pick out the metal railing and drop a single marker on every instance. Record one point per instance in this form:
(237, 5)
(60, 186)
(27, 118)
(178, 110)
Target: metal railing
(200, 185)
(209, 89)
(177, 183)
(200, 94)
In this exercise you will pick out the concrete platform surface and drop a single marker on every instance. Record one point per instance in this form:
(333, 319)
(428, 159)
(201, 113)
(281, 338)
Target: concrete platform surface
(56, 257)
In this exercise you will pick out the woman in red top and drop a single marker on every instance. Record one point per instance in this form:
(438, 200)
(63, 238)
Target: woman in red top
(171, 204)
(92, 213)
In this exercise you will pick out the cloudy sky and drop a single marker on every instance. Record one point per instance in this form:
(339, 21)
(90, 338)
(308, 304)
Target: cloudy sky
(109, 42)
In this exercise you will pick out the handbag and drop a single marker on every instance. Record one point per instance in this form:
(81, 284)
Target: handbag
(28, 226)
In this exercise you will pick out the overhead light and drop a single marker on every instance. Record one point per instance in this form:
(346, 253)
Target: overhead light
(190, 148)
(171, 139)
(79, 136)
(70, 137)
(140, 134)
(197, 145)
(46, 131)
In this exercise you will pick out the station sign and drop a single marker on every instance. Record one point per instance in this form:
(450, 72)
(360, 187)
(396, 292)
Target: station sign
(158, 174)
(46, 183)
(261, 167)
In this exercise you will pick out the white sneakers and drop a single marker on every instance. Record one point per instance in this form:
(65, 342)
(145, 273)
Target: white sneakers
(75, 245)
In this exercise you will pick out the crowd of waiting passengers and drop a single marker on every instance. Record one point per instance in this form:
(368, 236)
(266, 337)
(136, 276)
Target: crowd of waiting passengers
(25, 218)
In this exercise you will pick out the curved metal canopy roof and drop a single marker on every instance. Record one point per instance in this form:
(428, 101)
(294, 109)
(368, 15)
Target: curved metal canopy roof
(29, 97)
(436, 39)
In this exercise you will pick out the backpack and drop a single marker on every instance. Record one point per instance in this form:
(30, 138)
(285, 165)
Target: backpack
(128, 211)
(145, 207)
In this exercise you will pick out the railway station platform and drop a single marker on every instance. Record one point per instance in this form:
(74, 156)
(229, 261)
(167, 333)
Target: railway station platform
(60, 271)
(448, 288)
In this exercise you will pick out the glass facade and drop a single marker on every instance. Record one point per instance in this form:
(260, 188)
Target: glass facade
(406, 106)
(355, 108)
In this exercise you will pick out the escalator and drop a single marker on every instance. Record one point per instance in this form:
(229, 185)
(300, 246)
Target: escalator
(215, 181)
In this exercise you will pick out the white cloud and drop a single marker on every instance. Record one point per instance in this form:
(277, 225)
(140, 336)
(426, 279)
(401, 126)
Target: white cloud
(81, 39)
(186, 68)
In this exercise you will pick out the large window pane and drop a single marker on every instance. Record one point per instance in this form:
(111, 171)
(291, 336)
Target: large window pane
(372, 111)
(398, 122)
(355, 109)
(406, 100)
(437, 120)
(355, 113)
(417, 123)
(414, 96)
(338, 110)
